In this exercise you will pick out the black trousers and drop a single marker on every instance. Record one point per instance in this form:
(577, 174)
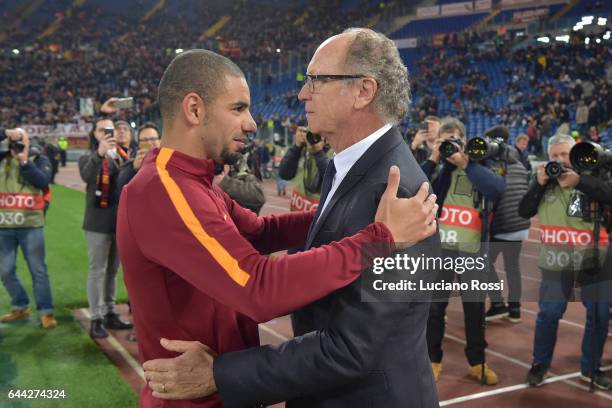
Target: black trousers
(510, 251)
(473, 316)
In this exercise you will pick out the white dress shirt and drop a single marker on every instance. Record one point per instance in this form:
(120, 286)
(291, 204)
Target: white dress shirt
(345, 160)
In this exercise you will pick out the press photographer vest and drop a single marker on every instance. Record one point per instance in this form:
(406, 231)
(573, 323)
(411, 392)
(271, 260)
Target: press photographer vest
(307, 184)
(21, 204)
(460, 222)
(567, 240)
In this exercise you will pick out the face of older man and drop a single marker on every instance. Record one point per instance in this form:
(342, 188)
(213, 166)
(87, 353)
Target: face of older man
(328, 103)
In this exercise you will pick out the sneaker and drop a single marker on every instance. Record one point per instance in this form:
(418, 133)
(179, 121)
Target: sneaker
(97, 330)
(436, 368)
(113, 322)
(496, 311)
(535, 376)
(475, 371)
(514, 314)
(601, 380)
(15, 315)
(48, 321)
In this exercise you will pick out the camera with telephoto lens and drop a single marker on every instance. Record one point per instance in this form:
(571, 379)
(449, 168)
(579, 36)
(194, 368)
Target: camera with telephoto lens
(450, 147)
(17, 146)
(589, 156)
(313, 138)
(554, 169)
(482, 148)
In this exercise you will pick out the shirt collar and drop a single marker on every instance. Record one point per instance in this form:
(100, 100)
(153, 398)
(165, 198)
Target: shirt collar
(349, 156)
(201, 168)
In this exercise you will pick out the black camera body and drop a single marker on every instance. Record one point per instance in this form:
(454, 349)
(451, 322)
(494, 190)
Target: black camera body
(313, 138)
(554, 169)
(482, 148)
(450, 147)
(17, 146)
(423, 126)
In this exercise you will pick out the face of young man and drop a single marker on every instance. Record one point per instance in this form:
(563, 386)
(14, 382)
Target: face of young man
(227, 121)
(100, 126)
(123, 133)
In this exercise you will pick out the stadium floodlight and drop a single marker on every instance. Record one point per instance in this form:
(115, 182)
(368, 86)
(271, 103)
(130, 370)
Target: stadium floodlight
(16, 51)
(602, 21)
(544, 40)
(606, 35)
(520, 34)
(598, 41)
(586, 20)
(562, 38)
(133, 124)
(587, 41)
(178, 50)
(578, 27)
(278, 50)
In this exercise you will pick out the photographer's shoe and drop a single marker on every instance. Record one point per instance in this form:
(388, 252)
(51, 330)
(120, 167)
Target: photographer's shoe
(437, 369)
(97, 330)
(48, 321)
(514, 314)
(535, 376)
(15, 315)
(475, 371)
(601, 380)
(113, 322)
(496, 311)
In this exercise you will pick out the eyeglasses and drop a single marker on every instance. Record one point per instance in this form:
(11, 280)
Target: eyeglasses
(310, 79)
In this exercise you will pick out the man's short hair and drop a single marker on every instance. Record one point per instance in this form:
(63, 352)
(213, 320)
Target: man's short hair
(375, 55)
(450, 124)
(560, 138)
(199, 71)
(147, 125)
(520, 137)
(498, 132)
(432, 118)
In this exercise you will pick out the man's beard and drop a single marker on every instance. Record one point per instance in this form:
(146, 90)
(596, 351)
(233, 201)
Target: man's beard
(228, 157)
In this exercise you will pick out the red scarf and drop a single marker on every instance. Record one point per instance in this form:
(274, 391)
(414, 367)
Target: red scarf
(103, 179)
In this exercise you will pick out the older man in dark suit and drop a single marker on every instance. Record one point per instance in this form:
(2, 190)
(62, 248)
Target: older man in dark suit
(348, 352)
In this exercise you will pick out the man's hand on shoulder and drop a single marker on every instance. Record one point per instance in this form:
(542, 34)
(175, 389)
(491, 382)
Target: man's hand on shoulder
(188, 376)
(410, 220)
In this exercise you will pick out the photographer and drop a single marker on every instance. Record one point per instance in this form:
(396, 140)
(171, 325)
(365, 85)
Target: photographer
(561, 203)
(305, 164)
(457, 182)
(508, 228)
(99, 169)
(423, 141)
(242, 186)
(24, 177)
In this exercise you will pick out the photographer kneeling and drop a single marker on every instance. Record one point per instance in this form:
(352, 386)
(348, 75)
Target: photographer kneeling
(459, 183)
(560, 197)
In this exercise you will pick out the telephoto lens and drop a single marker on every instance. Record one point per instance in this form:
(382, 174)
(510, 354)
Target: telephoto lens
(554, 169)
(588, 156)
(17, 146)
(480, 148)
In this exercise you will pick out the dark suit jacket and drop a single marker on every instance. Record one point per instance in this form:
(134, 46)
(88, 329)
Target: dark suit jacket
(347, 353)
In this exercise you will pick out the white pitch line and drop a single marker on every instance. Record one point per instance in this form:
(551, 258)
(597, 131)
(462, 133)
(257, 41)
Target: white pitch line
(121, 350)
(568, 322)
(554, 377)
(273, 332)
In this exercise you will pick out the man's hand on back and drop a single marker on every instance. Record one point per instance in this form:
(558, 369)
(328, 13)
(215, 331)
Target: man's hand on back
(410, 220)
(188, 376)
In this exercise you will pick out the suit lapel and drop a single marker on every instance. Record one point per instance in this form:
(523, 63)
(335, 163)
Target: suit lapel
(387, 142)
